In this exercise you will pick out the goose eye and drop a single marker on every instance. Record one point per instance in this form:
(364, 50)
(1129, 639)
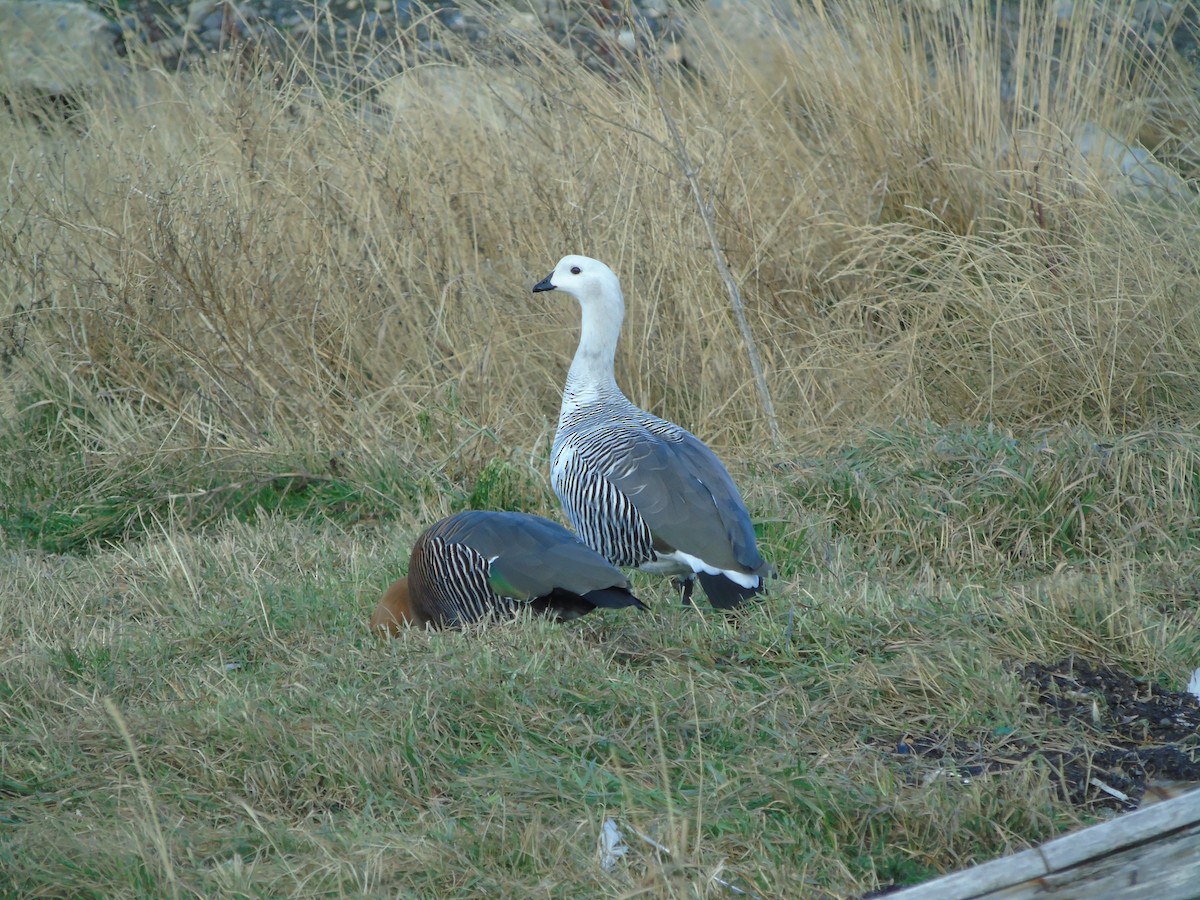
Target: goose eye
(575, 270)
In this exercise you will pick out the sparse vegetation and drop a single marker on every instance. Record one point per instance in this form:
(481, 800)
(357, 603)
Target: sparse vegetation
(256, 335)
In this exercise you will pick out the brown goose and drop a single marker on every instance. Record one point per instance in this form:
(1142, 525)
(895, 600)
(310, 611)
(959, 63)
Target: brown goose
(477, 564)
(639, 490)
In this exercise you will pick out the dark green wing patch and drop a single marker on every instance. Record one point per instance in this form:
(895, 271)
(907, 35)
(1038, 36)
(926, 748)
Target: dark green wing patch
(504, 585)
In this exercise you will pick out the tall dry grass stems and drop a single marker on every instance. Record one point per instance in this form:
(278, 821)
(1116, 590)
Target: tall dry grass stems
(234, 259)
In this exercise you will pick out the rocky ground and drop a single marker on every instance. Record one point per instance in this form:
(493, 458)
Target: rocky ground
(53, 48)
(589, 24)
(377, 38)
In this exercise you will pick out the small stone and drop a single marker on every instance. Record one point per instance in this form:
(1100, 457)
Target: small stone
(1064, 12)
(168, 47)
(521, 22)
(1153, 12)
(201, 10)
(450, 17)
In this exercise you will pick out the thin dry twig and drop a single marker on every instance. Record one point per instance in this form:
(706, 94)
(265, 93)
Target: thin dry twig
(704, 206)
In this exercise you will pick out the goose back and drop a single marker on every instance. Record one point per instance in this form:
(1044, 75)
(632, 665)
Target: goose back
(634, 486)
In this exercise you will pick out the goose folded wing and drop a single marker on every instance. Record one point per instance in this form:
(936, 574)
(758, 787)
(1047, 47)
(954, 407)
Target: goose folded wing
(530, 557)
(686, 497)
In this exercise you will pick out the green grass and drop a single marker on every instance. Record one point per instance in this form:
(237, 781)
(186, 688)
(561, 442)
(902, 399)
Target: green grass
(60, 493)
(415, 766)
(279, 747)
(971, 498)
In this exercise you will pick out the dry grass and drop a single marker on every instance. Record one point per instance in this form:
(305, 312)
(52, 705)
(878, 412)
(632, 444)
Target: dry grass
(256, 335)
(263, 264)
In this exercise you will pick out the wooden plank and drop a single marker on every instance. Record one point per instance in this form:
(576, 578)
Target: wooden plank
(1167, 869)
(1106, 841)
(1123, 831)
(979, 880)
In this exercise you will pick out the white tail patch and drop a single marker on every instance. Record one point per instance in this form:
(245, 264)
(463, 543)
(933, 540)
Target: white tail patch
(696, 564)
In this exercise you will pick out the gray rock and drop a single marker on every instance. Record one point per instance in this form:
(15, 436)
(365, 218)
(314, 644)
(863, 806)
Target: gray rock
(201, 11)
(722, 36)
(53, 47)
(1127, 166)
(1092, 156)
(486, 99)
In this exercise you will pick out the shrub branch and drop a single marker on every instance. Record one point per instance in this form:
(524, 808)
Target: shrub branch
(704, 206)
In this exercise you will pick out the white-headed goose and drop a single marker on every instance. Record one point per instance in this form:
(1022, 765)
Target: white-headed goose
(639, 490)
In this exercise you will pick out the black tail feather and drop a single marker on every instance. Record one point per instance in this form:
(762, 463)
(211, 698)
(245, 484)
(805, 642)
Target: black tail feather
(724, 592)
(566, 605)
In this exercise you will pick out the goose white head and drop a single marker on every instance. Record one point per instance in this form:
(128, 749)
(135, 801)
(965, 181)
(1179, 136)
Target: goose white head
(588, 280)
(598, 291)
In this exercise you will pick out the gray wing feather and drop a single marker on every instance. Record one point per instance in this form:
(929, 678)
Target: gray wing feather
(531, 556)
(686, 497)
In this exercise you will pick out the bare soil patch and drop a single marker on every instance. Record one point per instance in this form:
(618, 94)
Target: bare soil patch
(1133, 736)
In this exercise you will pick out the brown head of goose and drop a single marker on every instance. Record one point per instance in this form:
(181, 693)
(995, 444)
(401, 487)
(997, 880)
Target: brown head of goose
(477, 564)
(638, 489)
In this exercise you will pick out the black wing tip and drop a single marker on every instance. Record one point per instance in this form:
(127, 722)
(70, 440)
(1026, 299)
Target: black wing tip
(725, 593)
(613, 598)
(569, 605)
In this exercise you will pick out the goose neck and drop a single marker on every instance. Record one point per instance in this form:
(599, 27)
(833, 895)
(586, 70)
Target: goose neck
(600, 329)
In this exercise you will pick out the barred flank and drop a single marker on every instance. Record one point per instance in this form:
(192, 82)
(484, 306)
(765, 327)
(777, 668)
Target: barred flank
(455, 577)
(592, 441)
